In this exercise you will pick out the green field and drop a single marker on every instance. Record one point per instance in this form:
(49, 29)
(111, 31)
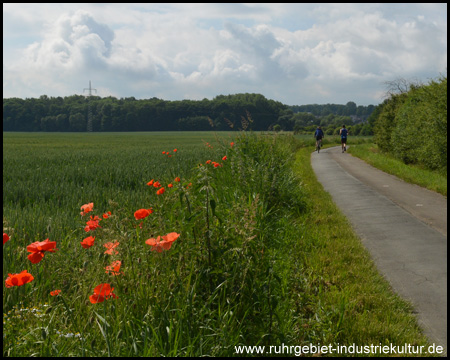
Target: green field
(250, 265)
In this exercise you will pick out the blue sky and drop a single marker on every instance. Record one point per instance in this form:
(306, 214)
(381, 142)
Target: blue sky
(293, 53)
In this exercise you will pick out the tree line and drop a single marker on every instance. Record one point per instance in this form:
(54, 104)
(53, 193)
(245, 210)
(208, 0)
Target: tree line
(411, 124)
(224, 112)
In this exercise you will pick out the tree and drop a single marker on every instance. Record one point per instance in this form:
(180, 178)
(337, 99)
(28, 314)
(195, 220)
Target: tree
(350, 108)
(77, 122)
(400, 86)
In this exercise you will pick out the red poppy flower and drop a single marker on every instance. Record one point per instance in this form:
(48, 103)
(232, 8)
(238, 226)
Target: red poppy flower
(114, 268)
(88, 242)
(163, 152)
(92, 224)
(86, 208)
(38, 248)
(224, 158)
(5, 238)
(142, 213)
(231, 143)
(175, 150)
(177, 179)
(164, 244)
(102, 292)
(150, 183)
(106, 215)
(18, 279)
(55, 292)
(160, 191)
(170, 186)
(156, 184)
(111, 248)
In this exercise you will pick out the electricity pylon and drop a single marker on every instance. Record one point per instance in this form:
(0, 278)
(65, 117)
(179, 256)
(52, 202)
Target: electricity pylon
(89, 122)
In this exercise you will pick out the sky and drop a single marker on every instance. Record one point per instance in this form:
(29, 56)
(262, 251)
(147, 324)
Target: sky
(297, 54)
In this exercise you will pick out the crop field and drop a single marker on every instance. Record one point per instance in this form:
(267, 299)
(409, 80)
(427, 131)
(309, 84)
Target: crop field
(46, 176)
(142, 244)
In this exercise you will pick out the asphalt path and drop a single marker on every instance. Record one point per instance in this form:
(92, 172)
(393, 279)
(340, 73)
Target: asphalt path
(403, 226)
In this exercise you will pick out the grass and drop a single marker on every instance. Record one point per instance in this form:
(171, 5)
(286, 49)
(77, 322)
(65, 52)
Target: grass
(431, 180)
(257, 261)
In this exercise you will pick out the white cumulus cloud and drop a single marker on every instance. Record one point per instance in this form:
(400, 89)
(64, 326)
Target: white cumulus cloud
(293, 53)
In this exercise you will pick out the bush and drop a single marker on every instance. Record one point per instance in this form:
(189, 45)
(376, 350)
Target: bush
(386, 121)
(420, 134)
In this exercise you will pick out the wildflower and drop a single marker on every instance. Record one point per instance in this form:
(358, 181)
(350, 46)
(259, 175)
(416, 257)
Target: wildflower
(170, 186)
(217, 165)
(224, 158)
(164, 244)
(5, 238)
(177, 179)
(208, 161)
(156, 184)
(102, 292)
(114, 268)
(160, 191)
(231, 143)
(175, 150)
(18, 279)
(106, 215)
(142, 213)
(88, 242)
(37, 250)
(86, 208)
(163, 152)
(92, 224)
(150, 183)
(111, 248)
(55, 292)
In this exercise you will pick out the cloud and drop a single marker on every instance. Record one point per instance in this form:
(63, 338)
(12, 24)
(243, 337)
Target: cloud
(294, 53)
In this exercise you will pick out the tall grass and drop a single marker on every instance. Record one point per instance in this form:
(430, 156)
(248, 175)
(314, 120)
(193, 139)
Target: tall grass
(217, 286)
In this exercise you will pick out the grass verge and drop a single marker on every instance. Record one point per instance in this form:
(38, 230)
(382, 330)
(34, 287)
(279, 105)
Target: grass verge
(341, 297)
(413, 174)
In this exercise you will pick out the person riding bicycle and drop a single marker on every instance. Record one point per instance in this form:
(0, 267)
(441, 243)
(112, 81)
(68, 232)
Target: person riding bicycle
(343, 132)
(318, 135)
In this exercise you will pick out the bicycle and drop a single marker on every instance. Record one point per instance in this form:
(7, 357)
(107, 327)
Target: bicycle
(318, 144)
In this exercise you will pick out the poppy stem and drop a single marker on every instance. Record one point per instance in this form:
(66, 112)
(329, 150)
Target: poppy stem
(190, 214)
(208, 237)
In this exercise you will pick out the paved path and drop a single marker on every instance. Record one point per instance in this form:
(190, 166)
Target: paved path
(403, 226)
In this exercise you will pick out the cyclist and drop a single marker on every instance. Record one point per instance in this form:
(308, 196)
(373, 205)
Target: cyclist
(318, 135)
(343, 132)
